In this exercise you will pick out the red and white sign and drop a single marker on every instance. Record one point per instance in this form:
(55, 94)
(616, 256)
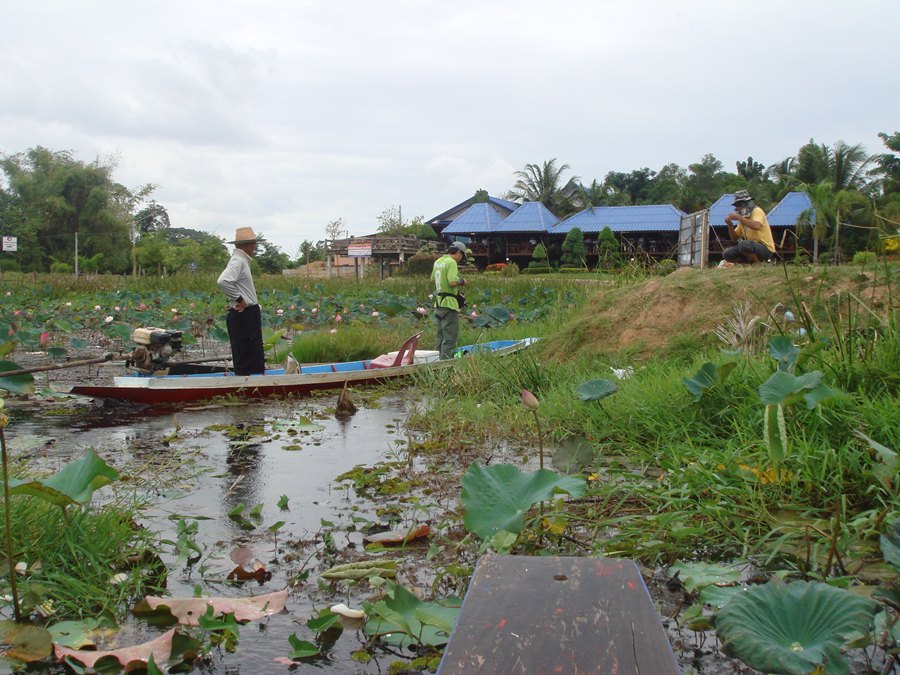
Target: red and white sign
(10, 244)
(361, 249)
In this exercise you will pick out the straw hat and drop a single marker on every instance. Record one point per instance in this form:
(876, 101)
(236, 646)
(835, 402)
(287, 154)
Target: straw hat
(244, 235)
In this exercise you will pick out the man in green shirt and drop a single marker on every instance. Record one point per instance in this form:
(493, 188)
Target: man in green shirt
(445, 276)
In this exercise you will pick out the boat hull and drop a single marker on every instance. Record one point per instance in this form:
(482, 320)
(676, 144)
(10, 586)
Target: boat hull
(174, 389)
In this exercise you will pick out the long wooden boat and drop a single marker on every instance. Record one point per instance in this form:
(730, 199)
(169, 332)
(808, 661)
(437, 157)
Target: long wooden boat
(162, 389)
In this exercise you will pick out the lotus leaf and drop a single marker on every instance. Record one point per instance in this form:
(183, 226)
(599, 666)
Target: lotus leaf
(574, 454)
(17, 384)
(710, 375)
(783, 350)
(160, 649)
(402, 619)
(74, 484)
(595, 390)
(8, 346)
(301, 649)
(25, 642)
(793, 628)
(787, 389)
(890, 545)
(189, 610)
(697, 575)
(498, 497)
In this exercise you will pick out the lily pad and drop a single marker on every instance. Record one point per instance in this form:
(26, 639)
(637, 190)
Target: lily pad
(17, 384)
(25, 642)
(74, 484)
(595, 390)
(793, 628)
(783, 350)
(498, 497)
(709, 376)
(402, 619)
(574, 455)
(698, 575)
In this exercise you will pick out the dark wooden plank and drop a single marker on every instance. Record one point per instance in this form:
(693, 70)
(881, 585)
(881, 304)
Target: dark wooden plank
(553, 615)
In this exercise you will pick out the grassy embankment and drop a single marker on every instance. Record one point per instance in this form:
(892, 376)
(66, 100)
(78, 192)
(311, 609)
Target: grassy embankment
(674, 478)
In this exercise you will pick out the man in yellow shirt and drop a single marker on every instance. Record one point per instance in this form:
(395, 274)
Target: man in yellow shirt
(752, 234)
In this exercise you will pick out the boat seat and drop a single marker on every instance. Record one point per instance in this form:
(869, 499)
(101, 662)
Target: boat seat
(404, 356)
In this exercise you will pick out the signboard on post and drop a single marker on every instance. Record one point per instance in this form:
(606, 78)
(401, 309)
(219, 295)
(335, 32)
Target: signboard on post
(10, 244)
(361, 249)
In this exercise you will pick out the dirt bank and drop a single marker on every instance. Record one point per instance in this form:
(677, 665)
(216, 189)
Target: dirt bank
(659, 315)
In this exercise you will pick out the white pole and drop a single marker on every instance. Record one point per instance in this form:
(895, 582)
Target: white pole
(76, 254)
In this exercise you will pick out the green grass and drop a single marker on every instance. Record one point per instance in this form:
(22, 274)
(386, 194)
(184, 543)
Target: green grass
(72, 555)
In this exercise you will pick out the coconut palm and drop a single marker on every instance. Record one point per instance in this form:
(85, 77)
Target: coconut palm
(542, 184)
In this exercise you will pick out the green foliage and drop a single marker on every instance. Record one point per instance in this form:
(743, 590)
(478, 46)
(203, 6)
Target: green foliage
(402, 619)
(573, 249)
(596, 390)
(865, 257)
(666, 266)
(539, 253)
(74, 484)
(608, 256)
(17, 384)
(710, 375)
(497, 497)
(420, 264)
(793, 628)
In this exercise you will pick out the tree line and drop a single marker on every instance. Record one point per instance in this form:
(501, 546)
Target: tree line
(51, 201)
(847, 187)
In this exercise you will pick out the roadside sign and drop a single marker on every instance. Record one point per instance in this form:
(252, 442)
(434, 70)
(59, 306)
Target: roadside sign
(360, 249)
(10, 244)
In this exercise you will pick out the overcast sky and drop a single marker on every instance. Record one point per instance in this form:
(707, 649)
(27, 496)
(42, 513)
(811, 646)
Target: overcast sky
(287, 114)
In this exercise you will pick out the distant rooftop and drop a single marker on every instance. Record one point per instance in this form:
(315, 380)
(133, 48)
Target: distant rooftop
(529, 217)
(479, 218)
(787, 212)
(648, 218)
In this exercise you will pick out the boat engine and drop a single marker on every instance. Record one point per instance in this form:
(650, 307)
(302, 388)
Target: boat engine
(155, 346)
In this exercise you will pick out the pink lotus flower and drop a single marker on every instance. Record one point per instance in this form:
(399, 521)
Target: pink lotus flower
(174, 310)
(142, 307)
(117, 308)
(431, 296)
(97, 307)
(45, 340)
(68, 304)
(529, 400)
(474, 314)
(279, 312)
(293, 307)
(108, 319)
(8, 293)
(421, 310)
(314, 310)
(192, 305)
(334, 330)
(375, 314)
(16, 312)
(338, 318)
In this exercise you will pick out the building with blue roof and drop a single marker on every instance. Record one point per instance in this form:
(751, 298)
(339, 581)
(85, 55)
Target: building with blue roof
(442, 220)
(478, 219)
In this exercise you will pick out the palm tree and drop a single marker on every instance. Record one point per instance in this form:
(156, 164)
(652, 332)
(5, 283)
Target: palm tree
(542, 184)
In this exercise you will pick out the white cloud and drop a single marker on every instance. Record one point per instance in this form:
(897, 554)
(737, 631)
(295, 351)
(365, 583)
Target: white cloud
(287, 114)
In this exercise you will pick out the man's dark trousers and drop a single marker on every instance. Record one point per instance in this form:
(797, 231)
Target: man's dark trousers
(245, 335)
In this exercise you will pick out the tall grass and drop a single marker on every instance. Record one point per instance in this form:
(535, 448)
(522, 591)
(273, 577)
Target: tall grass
(74, 555)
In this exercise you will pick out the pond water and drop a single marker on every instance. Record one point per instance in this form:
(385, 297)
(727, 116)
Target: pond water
(213, 460)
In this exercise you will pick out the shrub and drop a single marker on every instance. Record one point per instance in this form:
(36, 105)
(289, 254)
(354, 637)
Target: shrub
(864, 257)
(61, 268)
(666, 266)
(571, 270)
(510, 270)
(9, 265)
(420, 264)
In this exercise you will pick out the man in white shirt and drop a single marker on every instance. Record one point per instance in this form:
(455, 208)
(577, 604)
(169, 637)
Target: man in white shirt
(244, 319)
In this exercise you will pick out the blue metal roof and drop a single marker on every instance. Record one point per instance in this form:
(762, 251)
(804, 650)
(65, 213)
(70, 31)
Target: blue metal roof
(721, 208)
(501, 205)
(530, 217)
(477, 219)
(787, 212)
(648, 218)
